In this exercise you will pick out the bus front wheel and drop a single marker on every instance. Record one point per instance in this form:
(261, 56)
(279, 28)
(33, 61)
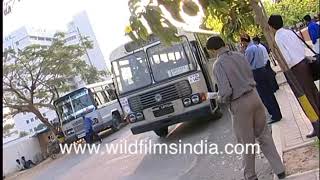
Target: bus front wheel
(163, 132)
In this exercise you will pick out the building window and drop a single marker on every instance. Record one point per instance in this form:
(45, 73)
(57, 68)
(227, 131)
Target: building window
(36, 118)
(44, 114)
(48, 39)
(41, 38)
(24, 113)
(34, 37)
(10, 47)
(35, 129)
(17, 43)
(32, 119)
(27, 121)
(30, 130)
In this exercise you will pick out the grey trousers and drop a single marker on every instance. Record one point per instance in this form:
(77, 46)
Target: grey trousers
(249, 124)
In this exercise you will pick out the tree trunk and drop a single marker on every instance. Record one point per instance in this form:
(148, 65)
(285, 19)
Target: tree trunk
(261, 19)
(43, 119)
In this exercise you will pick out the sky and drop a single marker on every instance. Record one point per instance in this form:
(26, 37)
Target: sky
(108, 18)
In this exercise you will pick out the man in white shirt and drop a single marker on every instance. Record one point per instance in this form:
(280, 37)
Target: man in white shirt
(293, 51)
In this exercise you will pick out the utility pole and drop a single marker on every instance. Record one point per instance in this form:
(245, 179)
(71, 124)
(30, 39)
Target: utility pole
(261, 19)
(81, 40)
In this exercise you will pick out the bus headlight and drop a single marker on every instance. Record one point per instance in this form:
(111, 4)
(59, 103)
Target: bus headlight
(132, 118)
(139, 116)
(187, 102)
(195, 98)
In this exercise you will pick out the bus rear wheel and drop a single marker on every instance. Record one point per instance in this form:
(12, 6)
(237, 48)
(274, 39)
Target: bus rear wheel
(163, 132)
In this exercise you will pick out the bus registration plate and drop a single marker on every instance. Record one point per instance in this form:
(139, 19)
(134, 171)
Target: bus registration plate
(81, 135)
(163, 110)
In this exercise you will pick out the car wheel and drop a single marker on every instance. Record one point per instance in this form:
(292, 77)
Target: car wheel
(115, 122)
(163, 132)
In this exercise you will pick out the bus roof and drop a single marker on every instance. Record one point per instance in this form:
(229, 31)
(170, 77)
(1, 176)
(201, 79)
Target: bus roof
(109, 81)
(121, 51)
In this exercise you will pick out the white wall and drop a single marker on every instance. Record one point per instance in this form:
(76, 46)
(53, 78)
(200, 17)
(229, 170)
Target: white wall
(27, 147)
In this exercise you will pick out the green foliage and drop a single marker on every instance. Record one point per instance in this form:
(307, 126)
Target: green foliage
(40, 127)
(230, 17)
(7, 127)
(23, 134)
(292, 11)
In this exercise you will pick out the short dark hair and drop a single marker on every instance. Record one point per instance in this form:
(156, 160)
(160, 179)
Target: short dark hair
(307, 18)
(245, 38)
(215, 42)
(275, 21)
(22, 157)
(257, 39)
(17, 160)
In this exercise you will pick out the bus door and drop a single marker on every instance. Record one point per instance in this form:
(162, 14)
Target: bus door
(206, 60)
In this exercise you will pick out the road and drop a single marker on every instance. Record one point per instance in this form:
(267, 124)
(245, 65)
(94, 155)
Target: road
(155, 166)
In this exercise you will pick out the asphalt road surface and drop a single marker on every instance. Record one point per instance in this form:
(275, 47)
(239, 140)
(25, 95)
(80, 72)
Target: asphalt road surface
(155, 166)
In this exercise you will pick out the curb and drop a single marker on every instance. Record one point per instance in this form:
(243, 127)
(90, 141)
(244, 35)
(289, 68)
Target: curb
(278, 139)
(310, 173)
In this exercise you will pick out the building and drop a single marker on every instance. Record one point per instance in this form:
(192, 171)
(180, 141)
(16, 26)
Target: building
(26, 36)
(79, 28)
(12, 133)
(29, 123)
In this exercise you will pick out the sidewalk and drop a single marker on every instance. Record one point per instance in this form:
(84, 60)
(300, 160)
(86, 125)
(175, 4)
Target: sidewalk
(290, 133)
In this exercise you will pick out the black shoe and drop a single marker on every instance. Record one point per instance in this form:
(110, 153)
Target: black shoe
(311, 135)
(273, 121)
(281, 175)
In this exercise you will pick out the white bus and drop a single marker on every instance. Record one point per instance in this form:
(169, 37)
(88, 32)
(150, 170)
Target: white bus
(98, 101)
(161, 85)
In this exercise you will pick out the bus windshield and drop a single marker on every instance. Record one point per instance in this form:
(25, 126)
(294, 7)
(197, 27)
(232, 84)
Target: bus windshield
(170, 61)
(74, 105)
(131, 72)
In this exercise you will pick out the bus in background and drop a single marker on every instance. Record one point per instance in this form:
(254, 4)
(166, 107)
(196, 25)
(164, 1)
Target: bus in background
(161, 85)
(98, 101)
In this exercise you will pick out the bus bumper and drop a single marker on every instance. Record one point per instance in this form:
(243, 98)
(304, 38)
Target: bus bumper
(188, 116)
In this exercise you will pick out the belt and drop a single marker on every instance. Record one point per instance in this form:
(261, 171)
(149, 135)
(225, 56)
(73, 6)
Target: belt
(243, 94)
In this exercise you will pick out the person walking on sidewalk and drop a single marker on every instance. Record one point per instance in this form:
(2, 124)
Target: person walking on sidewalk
(272, 74)
(314, 32)
(237, 88)
(293, 51)
(254, 56)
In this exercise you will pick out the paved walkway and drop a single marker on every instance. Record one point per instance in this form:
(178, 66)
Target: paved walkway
(291, 131)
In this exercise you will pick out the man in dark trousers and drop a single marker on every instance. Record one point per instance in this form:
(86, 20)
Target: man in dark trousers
(272, 74)
(293, 51)
(90, 134)
(254, 56)
(237, 88)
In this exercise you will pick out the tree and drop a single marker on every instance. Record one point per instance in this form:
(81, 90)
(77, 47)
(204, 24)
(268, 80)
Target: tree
(229, 17)
(234, 17)
(292, 10)
(7, 128)
(32, 77)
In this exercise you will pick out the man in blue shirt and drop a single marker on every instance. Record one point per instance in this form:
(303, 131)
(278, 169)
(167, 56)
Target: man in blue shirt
(254, 56)
(90, 134)
(314, 32)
